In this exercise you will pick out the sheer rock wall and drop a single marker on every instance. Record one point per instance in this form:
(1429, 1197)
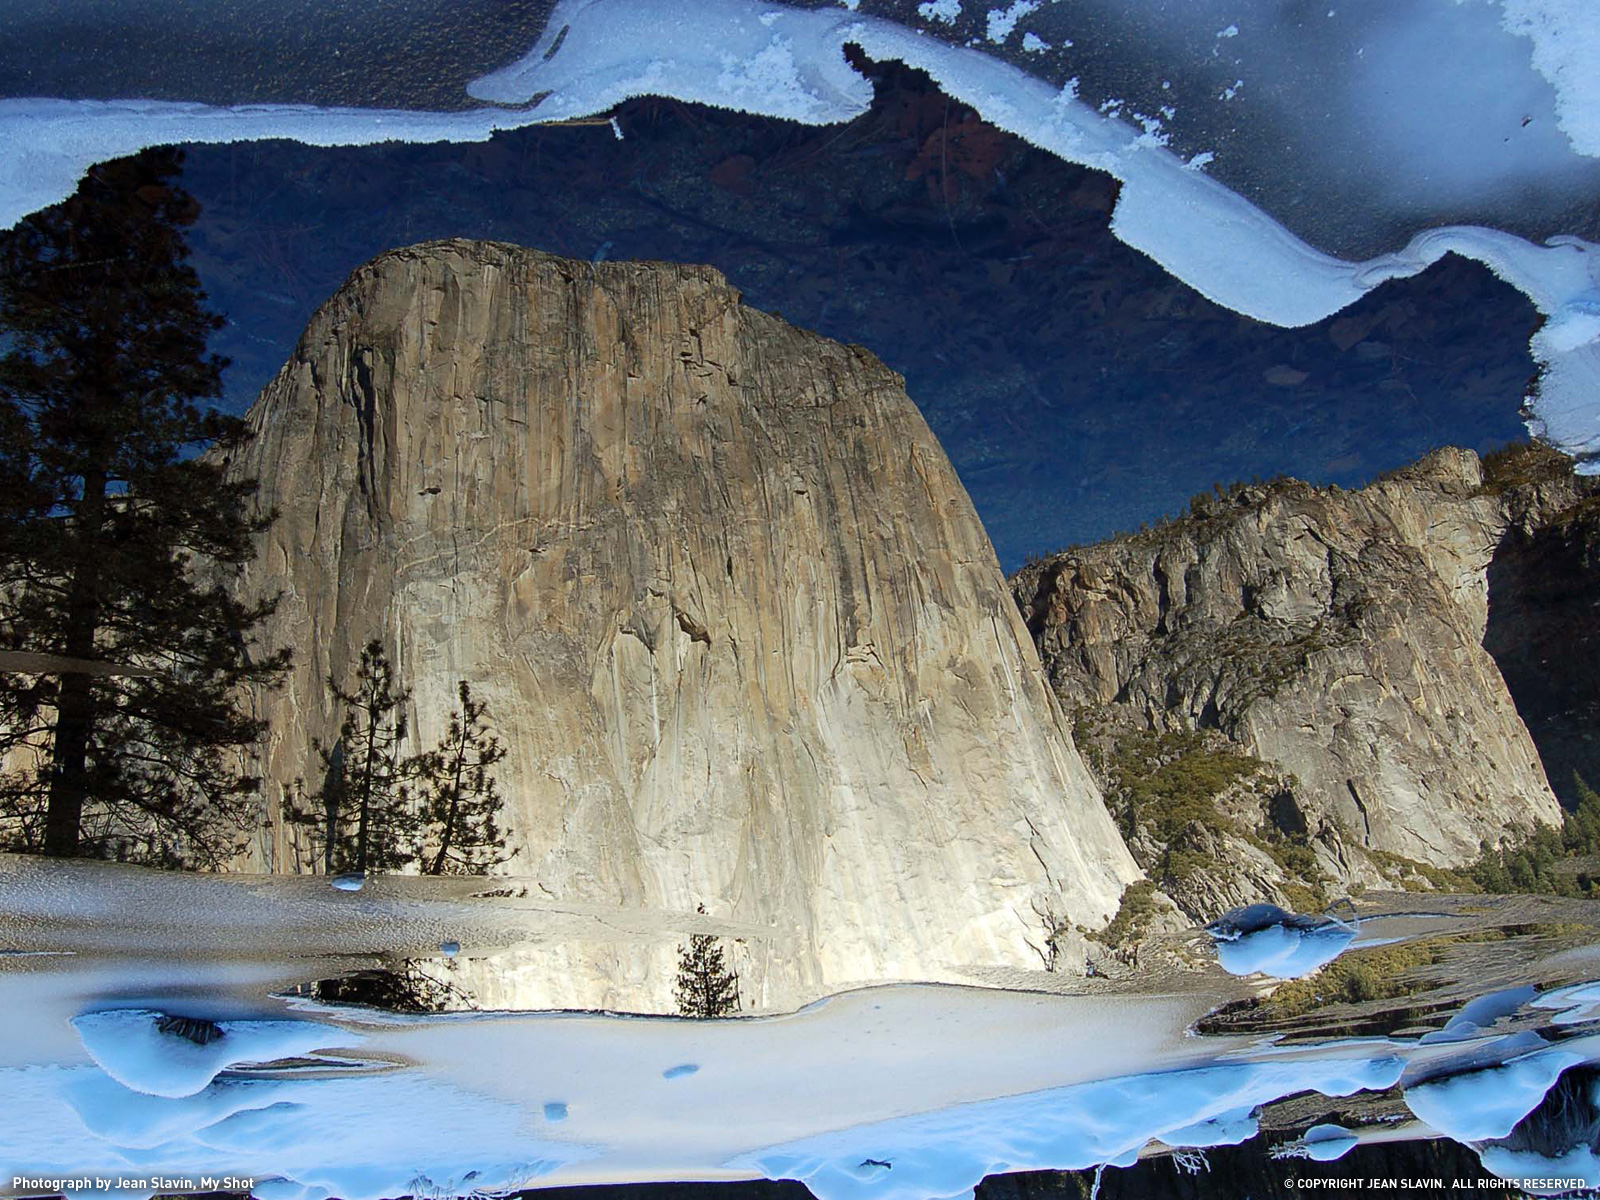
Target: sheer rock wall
(731, 609)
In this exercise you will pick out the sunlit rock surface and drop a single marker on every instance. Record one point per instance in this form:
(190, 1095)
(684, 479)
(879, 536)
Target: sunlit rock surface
(1336, 635)
(731, 610)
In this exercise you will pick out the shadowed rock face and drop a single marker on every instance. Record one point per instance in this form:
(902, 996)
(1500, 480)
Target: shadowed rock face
(1336, 635)
(732, 612)
(1544, 631)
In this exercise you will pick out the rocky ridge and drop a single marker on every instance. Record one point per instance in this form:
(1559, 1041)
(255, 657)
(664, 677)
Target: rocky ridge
(1333, 641)
(731, 609)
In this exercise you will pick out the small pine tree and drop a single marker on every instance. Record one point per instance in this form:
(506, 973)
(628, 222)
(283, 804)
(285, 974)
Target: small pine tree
(460, 800)
(362, 813)
(705, 986)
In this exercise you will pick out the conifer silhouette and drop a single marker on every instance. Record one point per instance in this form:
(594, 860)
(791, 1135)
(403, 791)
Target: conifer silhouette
(705, 986)
(460, 800)
(129, 737)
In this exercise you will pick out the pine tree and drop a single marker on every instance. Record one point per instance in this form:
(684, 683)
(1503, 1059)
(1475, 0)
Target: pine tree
(362, 812)
(116, 539)
(705, 986)
(460, 799)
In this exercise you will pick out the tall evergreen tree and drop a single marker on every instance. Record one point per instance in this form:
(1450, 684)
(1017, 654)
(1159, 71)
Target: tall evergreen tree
(460, 799)
(705, 986)
(362, 813)
(116, 540)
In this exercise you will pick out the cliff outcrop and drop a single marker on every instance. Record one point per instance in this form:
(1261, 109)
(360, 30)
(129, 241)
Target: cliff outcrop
(1544, 609)
(1335, 637)
(733, 614)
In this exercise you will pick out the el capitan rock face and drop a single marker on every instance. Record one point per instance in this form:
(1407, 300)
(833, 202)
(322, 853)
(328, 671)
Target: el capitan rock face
(733, 614)
(1336, 635)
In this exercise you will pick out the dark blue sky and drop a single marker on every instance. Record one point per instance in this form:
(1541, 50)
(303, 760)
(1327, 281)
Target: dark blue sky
(1077, 387)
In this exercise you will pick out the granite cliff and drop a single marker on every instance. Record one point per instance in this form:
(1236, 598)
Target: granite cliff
(1311, 662)
(732, 611)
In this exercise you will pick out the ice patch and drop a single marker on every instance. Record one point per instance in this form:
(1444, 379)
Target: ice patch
(947, 1153)
(1576, 1003)
(679, 1071)
(128, 1046)
(1262, 939)
(1477, 1015)
(1566, 51)
(1477, 1105)
(940, 10)
(1033, 43)
(352, 881)
(555, 1111)
(716, 52)
(1325, 1143)
(1533, 1172)
(141, 1121)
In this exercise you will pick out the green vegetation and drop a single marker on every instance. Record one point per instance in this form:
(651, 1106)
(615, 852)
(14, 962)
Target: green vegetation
(361, 815)
(1523, 464)
(1133, 915)
(460, 800)
(377, 810)
(1163, 788)
(1356, 977)
(1167, 784)
(1528, 464)
(1547, 860)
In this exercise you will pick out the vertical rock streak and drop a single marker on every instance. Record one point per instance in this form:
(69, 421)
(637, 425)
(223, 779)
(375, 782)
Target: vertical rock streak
(732, 612)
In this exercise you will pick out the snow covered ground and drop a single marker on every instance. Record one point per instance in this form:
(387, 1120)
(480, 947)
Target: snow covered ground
(782, 62)
(901, 1092)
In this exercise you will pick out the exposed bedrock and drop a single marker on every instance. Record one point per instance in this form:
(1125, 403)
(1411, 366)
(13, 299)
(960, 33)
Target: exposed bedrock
(730, 607)
(1335, 635)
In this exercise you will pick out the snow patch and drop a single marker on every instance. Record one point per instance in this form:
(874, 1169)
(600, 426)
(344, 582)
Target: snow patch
(1477, 1015)
(721, 52)
(1532, 1172)
(1576, 1003)
(1566, 51)
(1003, 20)
(1262, 939)
(129, 1046)
(947, 1153)
(1477, 1105)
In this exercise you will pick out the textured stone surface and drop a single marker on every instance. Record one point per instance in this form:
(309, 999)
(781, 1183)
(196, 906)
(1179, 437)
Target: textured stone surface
(1337, 635)
(732, 611)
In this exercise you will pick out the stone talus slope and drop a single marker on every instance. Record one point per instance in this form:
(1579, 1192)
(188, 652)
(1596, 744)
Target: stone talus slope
(732, 611)
(1335, 635)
